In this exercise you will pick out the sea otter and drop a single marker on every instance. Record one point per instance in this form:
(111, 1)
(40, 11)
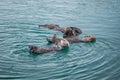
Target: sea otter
(67, 32)
(59, 45)
(75, 39)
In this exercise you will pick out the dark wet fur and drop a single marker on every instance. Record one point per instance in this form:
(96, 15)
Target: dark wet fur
(50, 26)
(34, 49)
(53, 26)
(72, 40)
(77, 30)
(68, 33)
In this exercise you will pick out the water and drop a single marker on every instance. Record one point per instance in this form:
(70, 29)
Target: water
(19, 20)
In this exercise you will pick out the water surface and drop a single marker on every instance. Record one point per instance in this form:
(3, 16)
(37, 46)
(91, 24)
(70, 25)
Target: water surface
(19, 20)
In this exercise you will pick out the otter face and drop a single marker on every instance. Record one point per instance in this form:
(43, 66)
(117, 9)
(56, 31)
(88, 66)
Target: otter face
(68, 32)
(32, 48)
(89, 38)
(63, 43)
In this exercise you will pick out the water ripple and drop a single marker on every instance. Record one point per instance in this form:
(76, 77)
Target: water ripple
(83, 61)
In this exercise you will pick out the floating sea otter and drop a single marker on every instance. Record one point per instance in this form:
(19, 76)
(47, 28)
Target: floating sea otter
(67, 32)
(59, 45)
(70, 35)
(89, 38)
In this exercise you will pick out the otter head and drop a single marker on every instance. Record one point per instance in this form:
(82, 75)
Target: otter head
(89, 38)
(68, 32)
(63, 43)
(32, 48)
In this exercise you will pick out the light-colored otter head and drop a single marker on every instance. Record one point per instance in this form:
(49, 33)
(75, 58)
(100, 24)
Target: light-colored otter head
(63, 43)
(89, 38)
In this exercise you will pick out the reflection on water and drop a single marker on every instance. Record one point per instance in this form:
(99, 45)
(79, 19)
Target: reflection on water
(19, 22)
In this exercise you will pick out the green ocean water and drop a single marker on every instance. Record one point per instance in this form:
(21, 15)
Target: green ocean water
(19, 20)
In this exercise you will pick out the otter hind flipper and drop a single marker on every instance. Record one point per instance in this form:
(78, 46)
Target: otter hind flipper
(54, 37)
